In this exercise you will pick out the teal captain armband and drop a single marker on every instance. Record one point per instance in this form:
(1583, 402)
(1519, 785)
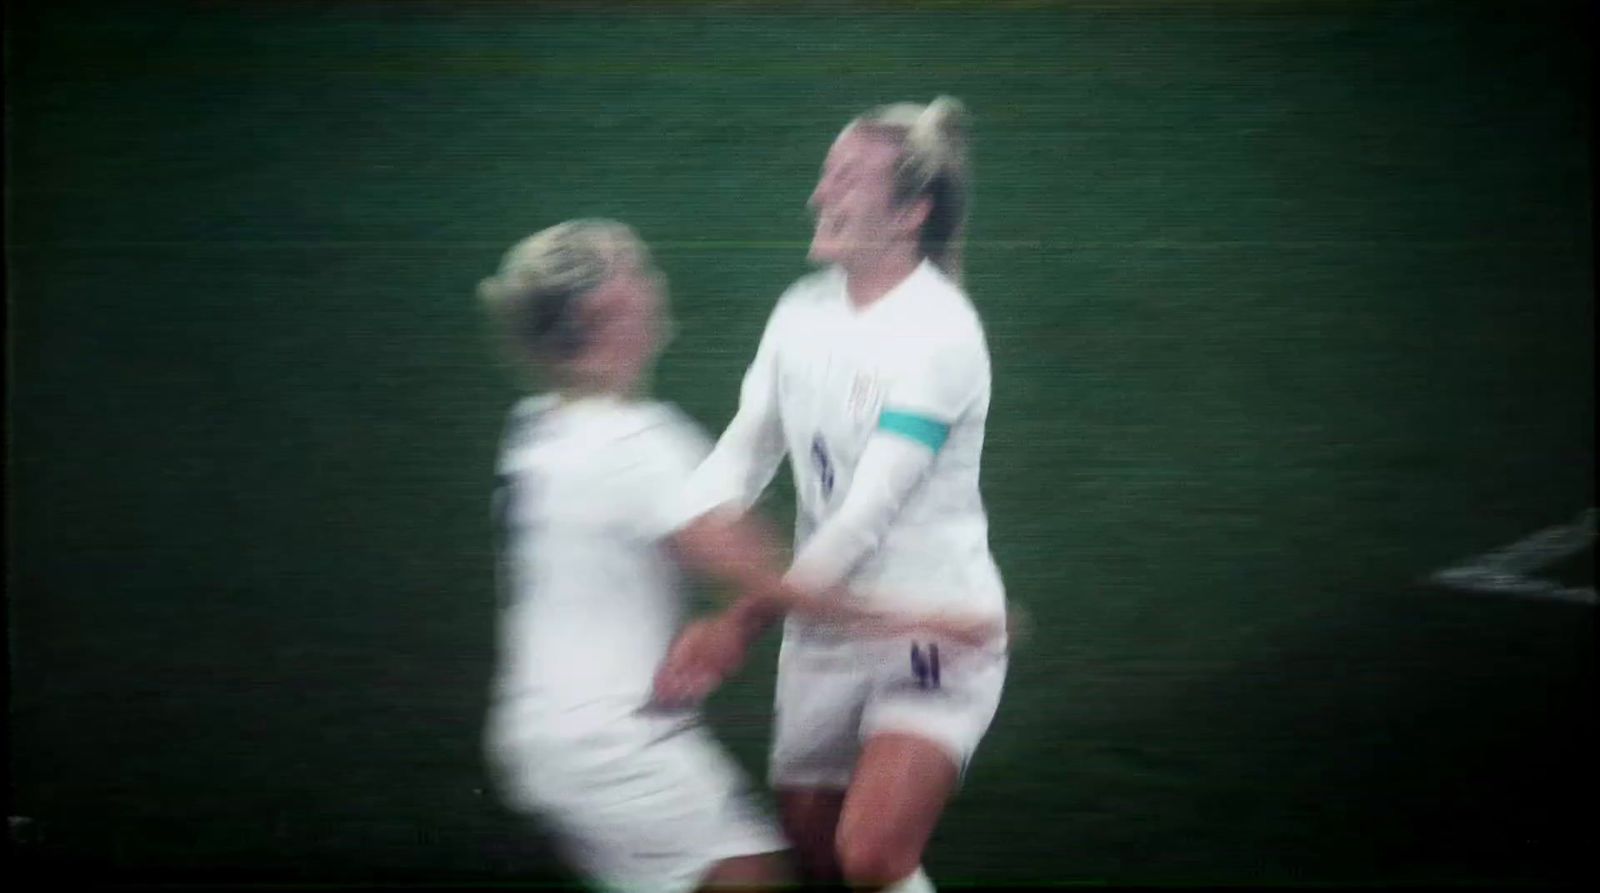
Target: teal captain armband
(931, 433)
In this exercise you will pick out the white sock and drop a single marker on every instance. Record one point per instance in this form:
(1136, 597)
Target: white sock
(915, 882)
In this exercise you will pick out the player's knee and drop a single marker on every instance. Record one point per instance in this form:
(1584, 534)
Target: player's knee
(872, 857)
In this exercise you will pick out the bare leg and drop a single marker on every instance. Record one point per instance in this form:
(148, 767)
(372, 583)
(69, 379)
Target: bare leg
(900, 788)
(811, 821)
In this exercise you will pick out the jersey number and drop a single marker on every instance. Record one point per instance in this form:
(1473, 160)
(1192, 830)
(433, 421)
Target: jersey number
(925, 665)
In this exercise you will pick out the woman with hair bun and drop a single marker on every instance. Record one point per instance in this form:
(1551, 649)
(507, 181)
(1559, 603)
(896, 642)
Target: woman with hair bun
(873, 378)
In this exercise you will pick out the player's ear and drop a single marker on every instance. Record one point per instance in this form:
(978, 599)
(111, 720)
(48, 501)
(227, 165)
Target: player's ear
(914, 214)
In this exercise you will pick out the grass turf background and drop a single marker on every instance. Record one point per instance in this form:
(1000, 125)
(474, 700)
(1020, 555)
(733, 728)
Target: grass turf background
(1290, 304)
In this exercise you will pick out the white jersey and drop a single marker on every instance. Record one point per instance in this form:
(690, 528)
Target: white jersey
(828, 380)
(591, 599)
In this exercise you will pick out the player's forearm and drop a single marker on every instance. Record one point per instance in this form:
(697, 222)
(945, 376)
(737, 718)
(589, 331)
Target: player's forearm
(889, 469)
(747, 454)
(753, 615)
(738, 469)
(740, 552)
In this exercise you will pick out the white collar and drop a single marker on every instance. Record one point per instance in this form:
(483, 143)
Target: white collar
(911, 282)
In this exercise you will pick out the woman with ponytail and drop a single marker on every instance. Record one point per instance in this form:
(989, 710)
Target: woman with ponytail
(873, 378)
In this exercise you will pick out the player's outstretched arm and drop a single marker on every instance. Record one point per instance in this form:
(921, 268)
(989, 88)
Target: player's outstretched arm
(890, 468)
(747, 455)
(742, 552)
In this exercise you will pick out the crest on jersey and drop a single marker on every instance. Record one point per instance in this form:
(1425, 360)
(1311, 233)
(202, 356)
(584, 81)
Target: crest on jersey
(864, 395)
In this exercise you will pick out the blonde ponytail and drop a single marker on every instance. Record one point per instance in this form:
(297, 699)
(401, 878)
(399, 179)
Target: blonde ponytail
(934, 164)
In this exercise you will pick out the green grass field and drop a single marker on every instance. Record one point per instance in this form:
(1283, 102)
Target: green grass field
(1290, 305)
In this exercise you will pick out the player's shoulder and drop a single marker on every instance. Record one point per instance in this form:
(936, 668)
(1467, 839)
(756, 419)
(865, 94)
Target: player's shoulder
(659, 426)
(663, 417)
(651, 444)
(796, 309)
(946, 301)
(587, 423)
(522, 426)
(601, 436)
(814, 289)
(529, 410)
(941, 313)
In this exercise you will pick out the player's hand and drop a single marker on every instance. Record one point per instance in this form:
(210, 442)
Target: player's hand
(704, 654)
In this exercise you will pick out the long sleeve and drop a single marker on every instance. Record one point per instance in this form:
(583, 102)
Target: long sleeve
(890, 467)
(746, 456)
(918, 413)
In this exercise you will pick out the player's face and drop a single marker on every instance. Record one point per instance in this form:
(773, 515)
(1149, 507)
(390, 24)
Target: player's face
(629, 325)
(856, 217)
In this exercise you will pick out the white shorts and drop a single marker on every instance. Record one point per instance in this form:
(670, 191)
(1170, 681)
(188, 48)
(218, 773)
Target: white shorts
(832, 697)
(651, 803)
